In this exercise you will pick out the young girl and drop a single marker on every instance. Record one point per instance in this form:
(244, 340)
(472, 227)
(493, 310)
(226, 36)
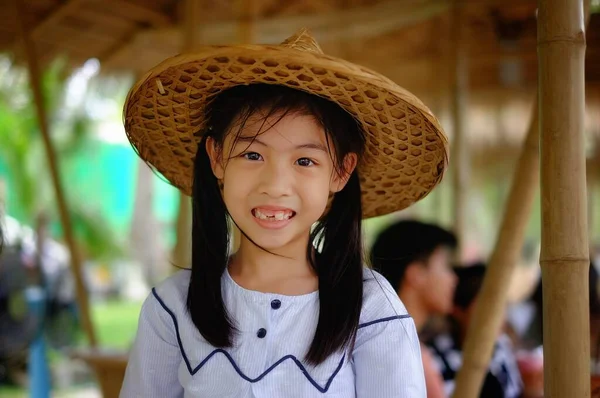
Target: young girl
(295, 148)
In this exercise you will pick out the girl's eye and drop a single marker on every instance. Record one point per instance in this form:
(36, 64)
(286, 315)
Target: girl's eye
(252, 156)
(304, 162)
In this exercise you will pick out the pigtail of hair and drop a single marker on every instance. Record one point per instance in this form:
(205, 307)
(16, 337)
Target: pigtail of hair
(339, 265)
(210, 254)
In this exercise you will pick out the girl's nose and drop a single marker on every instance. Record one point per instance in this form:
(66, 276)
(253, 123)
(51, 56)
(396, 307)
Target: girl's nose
(276, 180)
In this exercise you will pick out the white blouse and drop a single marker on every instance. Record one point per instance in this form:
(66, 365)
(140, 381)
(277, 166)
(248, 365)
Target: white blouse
(171, 359)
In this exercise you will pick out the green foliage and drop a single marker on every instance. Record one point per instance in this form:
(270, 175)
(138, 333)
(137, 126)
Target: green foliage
(23, 158)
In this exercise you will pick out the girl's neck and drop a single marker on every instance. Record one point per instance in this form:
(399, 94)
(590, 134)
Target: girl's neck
(284, 272)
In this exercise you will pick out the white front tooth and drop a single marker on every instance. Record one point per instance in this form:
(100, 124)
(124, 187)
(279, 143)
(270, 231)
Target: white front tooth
(279, 216)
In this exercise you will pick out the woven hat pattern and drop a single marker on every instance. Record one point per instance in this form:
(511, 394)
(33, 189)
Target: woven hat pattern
(406, 149)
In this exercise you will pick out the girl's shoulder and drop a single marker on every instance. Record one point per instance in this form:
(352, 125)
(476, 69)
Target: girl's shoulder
(380, 300)
(173, 290)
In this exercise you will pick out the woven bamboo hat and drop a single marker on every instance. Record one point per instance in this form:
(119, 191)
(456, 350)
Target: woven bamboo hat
(406, 149)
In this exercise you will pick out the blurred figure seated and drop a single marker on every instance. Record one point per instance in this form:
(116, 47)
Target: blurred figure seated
(503, 379)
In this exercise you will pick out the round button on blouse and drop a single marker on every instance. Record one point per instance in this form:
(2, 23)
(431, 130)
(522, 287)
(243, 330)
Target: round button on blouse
(275, 304)
(262, 332)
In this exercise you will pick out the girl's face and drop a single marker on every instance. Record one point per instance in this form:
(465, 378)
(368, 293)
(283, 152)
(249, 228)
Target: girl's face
(277, 177)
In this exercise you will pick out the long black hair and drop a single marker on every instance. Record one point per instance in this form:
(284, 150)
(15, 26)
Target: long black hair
(339, 260)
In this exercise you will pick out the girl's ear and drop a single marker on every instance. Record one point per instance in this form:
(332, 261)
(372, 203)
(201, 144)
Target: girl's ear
(214, 154)
(339, 180)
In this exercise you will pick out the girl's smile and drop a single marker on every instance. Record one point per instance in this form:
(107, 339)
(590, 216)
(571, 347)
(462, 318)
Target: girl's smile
(273, 217)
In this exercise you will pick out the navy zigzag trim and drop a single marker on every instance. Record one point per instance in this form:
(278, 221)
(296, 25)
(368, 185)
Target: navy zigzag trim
(193, 371)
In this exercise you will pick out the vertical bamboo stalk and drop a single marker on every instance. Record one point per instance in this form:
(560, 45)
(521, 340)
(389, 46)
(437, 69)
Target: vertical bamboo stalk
(246, 33)
(247, 28)
(460, 154)
(191, 25)
(183, 236)
(489, 309)
(182, 252)
(593, 183)
(76, 263)
(591, 178)
(565, 252)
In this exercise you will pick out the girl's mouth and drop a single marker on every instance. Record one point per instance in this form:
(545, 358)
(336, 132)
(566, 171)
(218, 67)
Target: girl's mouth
(272, 215)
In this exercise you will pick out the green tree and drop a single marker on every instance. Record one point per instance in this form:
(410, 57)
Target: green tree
(22, 156)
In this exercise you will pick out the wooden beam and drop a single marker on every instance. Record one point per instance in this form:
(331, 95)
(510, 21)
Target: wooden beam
(122, 44)
(182, 250)
(124, 9)
(357, 23)
(64, 33)
(133, 11)
(459, 104)
(299, 6)
(54, 16)
(107, 20)
(477, 4)
(247, 11)
(154, 18)
(76, 263)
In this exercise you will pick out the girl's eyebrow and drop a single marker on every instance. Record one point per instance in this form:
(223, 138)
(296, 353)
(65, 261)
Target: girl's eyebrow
(308, 145)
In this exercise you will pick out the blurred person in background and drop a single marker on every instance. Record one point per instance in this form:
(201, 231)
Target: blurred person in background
(416, 258)
(503, 379)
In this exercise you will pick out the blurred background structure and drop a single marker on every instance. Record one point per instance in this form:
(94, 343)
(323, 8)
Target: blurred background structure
(473, 62)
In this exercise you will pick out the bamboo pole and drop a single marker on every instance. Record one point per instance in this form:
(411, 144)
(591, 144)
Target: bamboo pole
(460, 154)
(247, 25)
(76, 263)
(565, 251)
(182, 252)
(183, 238)
(246, 34)
(593, 183)
(590, 183)
(489, 309)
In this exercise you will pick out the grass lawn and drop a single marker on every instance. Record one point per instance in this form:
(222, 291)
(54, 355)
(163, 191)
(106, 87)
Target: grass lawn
(12, 392)
(115, 323)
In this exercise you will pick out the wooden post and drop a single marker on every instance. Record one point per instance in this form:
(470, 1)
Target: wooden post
(143, 238)
(183, 232)
(590, 182)
(182, 252)
(76, 264)
(489, 309)
(593, 183)
(246, 35)
(247, 21)
(565, 251)
(460, 155)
